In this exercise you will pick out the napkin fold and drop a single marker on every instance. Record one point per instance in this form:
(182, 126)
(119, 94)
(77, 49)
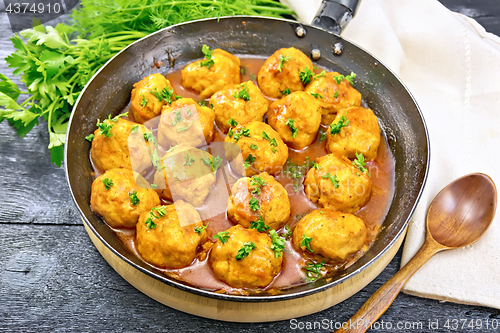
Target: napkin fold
(451, 65)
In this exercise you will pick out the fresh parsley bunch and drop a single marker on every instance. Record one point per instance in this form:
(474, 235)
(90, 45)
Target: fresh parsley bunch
(55, 63)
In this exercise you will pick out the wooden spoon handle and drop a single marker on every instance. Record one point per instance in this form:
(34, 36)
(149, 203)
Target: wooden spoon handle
(380, 301)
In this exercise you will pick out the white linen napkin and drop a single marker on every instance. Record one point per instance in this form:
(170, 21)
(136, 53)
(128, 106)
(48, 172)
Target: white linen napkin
(452, 68)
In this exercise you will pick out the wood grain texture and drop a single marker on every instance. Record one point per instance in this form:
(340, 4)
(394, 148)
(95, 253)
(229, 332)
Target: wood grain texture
(52, 279)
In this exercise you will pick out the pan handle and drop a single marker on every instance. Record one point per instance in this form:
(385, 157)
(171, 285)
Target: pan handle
(333, 15)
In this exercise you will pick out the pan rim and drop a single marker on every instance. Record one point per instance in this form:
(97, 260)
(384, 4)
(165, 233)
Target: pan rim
(249, 298)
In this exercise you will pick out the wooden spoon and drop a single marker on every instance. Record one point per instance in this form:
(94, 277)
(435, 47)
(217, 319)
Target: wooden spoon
(458, 216)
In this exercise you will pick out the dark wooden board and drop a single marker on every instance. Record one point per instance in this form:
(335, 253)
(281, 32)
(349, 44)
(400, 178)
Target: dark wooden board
(53, 279)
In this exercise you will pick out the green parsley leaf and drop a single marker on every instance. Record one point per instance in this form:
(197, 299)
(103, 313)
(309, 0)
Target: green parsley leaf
(286, 92)
(294, 129)
(259, 225)
(190, 114)
(322, 135)
(201, 102)
(107, 183)
(150, 223)
(185, 128)
(245, 250)
(166, 95)
(178, 117)
(336, 127)
(153, 186)
(105, 128)
(360, 163)
(313, 271)
(283, 60)
(144, 101)
(332, 179)
(249, 161)
(278, 244)
(242, 70)
(306, 75)
(306, 242)
(258, 182)
(187, 161)
(133, 197)
(232, 122)
(223, 236)
(90, 137)
(200, 229)
(349, 78)
(272, 141)
(213, 162)
(134, 128)
(336, 95)
(230, 133)
(208, 57)
(254, 204)
(253, 77)
(316, 96)
(254, 146)
(288, 232)
(322, 74)
(242, 131)
(316, 166)
(243, 93)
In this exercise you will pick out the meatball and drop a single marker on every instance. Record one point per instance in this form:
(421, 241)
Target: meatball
(208, 76)
(119, 143)
(184, 121)
(281, 71)
(296, 118)
(162, 240)
(259, 198)
(330, 234)
(254, 268)
(260, 146)
(149, 96)
(335, 96)
(361, 135)
(119, 199)
(186, 174)
(243, 103)
(334, 182)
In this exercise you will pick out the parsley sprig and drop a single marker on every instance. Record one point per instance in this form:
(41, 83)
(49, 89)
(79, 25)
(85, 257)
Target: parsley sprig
(259, 225)
(249, 161)
(272, 141)
(134, 198)
(306, 242)
(150, 221)
(208, 57)
(286, 92)
(282, 60)
(242, 131)
(349, 78)
(166, 95)
(258, 182)
(106, 125)
(200, 229)
(278, 244)
(360, 163)
(223, 236)
(313, 271)
(336, 127)
(333, 179)
(108, 183)
(254, 204)
(243, 93)
(214, 162)
(245, 250)
(293, 128)
(187, 160)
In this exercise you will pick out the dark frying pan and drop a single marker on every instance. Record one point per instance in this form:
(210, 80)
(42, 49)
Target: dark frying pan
(108, 92)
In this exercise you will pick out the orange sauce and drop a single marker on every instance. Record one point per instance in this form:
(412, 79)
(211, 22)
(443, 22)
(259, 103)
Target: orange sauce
(373, 212)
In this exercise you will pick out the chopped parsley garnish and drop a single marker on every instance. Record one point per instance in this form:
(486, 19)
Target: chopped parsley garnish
(282, 61)
(232, 122)
(200, 229)
(258, 182)
(223, 236)
(201, 102)
(278, 243)
(107, 183)
(306, 75)
(286, 92)
(185, 128)
(178, 117)
(333, 179)
(288, 232)
(134, 128)
(259, 225)
(190, 114)
(349, 78)
(208, 57)
(249, 161)
(144, 101)
(336, 95)
(214, 162)
(306, 242)
(316, 96)
(322, 74)
(134, 198)
(187, 161)
(272, 141)
(316, 166)
(296, 172)
(242, 70)
(155, 158)
(90, 137)
(166, 94)
(322, 135)
(105, 126)
(153, 186)
(254, 204)
(336, 127)
(243, 93)
(313, 271)
(254, 146)
(360, 163)
(294, 129)
(150, 223)
(253, 77)
(242, 131)
(245, 250)
(230, 133)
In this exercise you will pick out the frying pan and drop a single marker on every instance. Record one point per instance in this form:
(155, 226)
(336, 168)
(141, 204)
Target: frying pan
(108, 92)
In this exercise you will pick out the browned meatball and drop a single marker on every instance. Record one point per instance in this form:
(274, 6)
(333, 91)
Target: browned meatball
(243, 258)
(260, 146)
(259, 198)
(187, 174)
(120, 144)
(209, 75)
(334, 182)
(360, 136)
(149, 96)
(335, 96)
(119, 200)
(296, 118)
(241, 102)
(162, 240)
(330, 234)
(281, 71)
(184, 121)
